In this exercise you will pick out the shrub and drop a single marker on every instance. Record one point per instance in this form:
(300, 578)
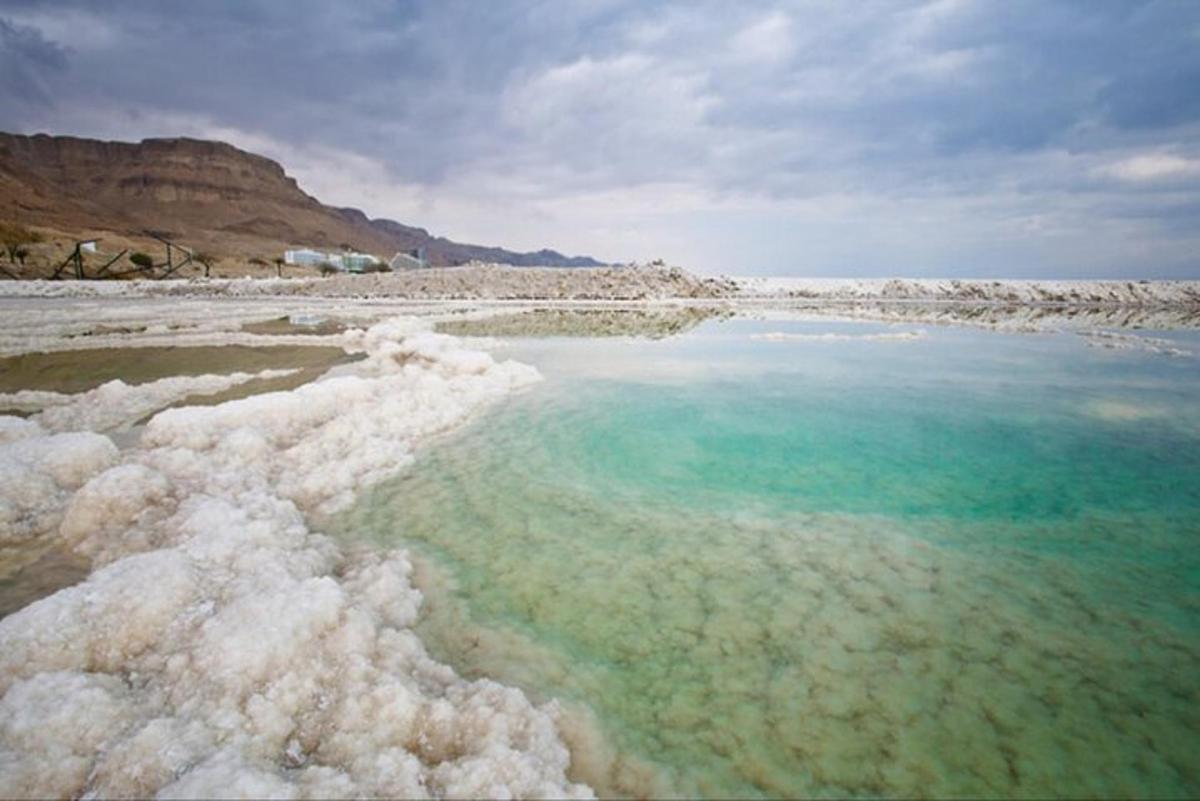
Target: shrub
(206, 259)
(142, 260)
(14, 237)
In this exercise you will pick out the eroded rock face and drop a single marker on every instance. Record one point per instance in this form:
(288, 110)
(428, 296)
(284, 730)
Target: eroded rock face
(165, 184)
(205, 193)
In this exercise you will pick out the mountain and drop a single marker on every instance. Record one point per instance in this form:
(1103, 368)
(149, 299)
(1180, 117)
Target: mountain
(204, 194)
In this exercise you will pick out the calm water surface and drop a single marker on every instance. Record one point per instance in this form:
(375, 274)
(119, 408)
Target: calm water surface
(962, 564)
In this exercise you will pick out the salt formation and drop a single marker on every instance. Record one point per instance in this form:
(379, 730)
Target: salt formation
(222, 647)
(1114, 341)
(1069, 293)
(38, 472)
(117, 405)
(785, 336)
(474, 281)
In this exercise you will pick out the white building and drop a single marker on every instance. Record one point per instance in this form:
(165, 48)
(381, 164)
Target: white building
(350, 261)
(309, 258)
(409, 261)
(358, 262)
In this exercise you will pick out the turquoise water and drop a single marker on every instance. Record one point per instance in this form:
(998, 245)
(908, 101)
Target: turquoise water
(962, 564)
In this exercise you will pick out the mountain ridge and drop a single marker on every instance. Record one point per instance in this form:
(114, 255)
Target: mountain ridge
(206, 194)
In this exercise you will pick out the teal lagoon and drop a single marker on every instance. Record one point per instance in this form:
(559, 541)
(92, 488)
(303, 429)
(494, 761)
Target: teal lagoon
(779, 559)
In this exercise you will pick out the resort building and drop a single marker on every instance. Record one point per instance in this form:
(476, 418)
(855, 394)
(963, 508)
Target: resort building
(304, 256)
(414, 259)
(350, 261)
(354, 262)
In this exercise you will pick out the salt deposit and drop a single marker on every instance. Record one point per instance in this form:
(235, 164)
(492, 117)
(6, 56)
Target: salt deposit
(117, 405)
(38, 473)
(223, 646)
(475, 281)
(1129, 293)
(785, 336)
(1114, 341)
(1122, 411)
(493, 281)
(650, 321)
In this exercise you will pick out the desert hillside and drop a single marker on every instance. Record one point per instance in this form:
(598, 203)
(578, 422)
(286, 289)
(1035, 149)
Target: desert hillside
(206, 195)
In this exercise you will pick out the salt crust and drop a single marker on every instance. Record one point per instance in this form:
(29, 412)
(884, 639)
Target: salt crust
(117, 405)
(222, 646)
(38, 473)
(784, 336)
(1115, 341)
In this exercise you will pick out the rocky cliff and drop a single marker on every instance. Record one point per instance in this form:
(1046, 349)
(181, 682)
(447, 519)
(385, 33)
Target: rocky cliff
(206, 194)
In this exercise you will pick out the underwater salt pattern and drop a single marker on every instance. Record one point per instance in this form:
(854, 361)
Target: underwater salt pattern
(960, 565)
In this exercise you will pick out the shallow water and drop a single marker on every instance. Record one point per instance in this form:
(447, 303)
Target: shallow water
(962, 563)
(27, 576)
(80, 370)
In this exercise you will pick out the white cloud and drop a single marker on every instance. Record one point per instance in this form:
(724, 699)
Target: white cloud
(1148, 167)
(625, 120)
(769, 39)
(630, 86)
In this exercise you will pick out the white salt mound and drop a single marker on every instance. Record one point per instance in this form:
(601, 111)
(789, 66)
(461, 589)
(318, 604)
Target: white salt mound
(223, 647)
(117, 405)
(38, 473)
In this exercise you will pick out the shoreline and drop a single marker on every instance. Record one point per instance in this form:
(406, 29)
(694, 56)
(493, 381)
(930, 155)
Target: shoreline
(51, 324)
(497, 284)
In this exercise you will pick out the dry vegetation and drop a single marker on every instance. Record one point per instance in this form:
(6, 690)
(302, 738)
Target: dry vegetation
(35, 253)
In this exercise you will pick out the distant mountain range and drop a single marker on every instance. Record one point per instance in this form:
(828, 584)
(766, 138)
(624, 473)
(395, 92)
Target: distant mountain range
(207, 195)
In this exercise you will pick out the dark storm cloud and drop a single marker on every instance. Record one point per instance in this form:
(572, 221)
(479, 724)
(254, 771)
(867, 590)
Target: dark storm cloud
(27, 60)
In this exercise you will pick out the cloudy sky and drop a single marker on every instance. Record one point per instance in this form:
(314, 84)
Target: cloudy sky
(1022, 138)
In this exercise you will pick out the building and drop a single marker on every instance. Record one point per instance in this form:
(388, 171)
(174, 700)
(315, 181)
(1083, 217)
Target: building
(414, 259)
(304, 256)
(354, 262)
(350, 261)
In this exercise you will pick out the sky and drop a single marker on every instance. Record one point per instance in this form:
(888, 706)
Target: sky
(924, 138)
